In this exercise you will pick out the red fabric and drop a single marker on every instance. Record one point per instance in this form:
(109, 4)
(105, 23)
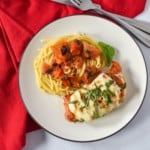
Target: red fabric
(19, 21)
(129, 8)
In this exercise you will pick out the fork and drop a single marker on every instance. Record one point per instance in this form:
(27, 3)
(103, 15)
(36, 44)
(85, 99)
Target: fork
(89, 5)
(142, 25)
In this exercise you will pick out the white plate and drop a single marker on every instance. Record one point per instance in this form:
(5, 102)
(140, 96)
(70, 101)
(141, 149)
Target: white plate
(47, 110)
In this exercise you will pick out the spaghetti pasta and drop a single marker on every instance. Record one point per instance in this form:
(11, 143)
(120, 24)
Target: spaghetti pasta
(67, 63)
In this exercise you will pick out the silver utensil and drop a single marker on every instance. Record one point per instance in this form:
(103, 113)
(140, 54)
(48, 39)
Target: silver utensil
(88, 5)
(144, 26)
(142, 36)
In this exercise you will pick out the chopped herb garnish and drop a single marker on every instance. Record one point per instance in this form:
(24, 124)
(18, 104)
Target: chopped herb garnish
(74, 102)
(82, 107)
(94, 94)
(108, 84)
(96, 112)
(81, 120)
(110, 92)
(106, 96)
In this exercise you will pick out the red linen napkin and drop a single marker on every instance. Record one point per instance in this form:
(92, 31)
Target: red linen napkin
(19, 22)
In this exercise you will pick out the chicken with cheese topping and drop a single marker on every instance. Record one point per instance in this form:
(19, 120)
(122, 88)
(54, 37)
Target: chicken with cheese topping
(104, 94)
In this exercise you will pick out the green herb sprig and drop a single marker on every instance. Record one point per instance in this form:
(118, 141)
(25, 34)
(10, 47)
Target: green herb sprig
(108, 52)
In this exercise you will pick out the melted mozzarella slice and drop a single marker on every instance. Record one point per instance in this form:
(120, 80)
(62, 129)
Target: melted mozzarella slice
(85, 106)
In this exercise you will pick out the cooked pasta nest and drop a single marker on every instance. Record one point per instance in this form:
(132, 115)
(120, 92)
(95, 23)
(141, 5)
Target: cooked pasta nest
(67, 63)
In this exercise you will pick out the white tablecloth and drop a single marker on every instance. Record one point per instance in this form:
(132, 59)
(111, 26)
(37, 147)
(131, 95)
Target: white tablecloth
(135, 136)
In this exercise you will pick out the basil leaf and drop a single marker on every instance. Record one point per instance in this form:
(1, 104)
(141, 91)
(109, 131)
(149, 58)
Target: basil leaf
(108, 52)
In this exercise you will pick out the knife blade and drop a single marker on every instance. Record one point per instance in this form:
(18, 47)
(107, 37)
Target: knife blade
(144, 26)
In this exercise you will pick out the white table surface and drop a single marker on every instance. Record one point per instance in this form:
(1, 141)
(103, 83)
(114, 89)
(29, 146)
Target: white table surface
(135, 136)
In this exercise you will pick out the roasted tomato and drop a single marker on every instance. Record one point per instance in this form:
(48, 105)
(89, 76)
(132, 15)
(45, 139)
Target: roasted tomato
(45, 68)
(114, 68)
(57, 73)
(76, 47)
(78, 62)
(89, 74)
(68, 114)
(90, 51)
(61, 52)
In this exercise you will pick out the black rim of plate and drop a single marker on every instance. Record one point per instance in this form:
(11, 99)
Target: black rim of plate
(84, 141)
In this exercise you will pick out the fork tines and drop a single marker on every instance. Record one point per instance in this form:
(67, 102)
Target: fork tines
(78, 2)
